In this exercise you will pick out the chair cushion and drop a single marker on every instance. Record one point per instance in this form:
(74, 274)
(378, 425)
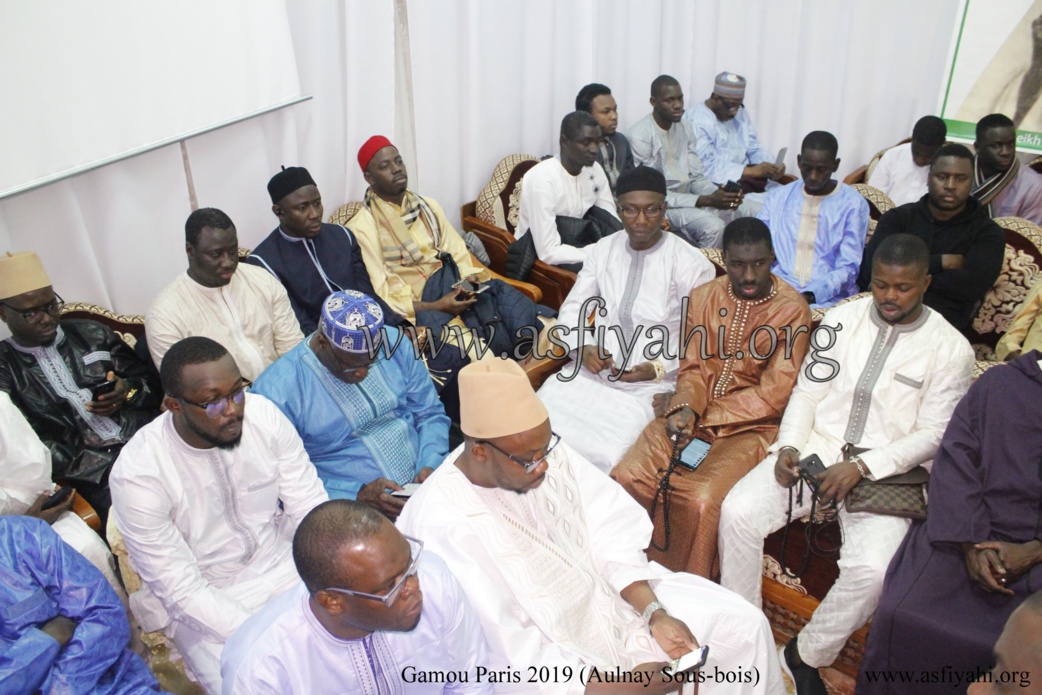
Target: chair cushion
(129, 327)
(344, 213)
(499, 201)
(1020, 270)
(878, 202)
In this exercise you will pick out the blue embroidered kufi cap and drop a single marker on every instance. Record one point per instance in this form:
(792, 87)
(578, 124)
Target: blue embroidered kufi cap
(348, 317)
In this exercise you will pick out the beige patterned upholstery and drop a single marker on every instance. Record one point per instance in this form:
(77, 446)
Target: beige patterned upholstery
(498, 202)
(344, 213)
(129, 327)
(716, 257)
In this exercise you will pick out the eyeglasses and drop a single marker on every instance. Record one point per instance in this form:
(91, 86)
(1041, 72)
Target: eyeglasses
(631, 212)
(730, 104)
(529, 466)
(35, 314)
(216, 408)
(416, 548)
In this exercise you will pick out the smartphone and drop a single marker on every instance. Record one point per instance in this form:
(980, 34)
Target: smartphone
(811, 466)
(470, 287)
(689, 662)
(732, 187)
(780, 159)
(407, 490)
(102, 389)
(694, 453)
(57, 498)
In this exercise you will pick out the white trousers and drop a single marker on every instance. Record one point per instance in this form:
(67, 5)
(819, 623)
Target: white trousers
(756, 507)
(704, 227)
(74, 531)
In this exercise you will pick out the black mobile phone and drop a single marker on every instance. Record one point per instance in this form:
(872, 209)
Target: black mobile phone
(57, 498)
(811, 466)
(732, 187)
(102, 389)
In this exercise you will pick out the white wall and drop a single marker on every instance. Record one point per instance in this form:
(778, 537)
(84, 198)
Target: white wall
(488, 78)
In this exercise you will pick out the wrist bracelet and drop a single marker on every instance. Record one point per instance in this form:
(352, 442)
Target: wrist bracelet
(676, 409)
(650, 610)
(860, 467)
(660, 371)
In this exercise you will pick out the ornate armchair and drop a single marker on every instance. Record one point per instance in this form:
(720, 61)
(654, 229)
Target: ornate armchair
(493, 217)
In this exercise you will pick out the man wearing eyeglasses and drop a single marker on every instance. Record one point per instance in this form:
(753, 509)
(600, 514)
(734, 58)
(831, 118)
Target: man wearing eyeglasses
(550, 552)
(362, 402)
(727, 141)
(373, 614)
(207, 498)
(641, 279)
(82, 389)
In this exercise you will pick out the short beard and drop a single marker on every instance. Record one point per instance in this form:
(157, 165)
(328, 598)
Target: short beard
(223, 444)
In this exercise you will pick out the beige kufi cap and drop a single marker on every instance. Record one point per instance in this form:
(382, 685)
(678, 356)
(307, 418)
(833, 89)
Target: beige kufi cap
(21, 273)
(497, 400)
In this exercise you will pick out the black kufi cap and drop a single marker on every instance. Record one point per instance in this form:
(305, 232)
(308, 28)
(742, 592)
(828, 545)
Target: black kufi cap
(287, 181)
(641, 179)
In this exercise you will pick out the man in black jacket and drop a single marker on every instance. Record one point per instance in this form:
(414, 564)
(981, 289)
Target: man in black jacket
(966, 247)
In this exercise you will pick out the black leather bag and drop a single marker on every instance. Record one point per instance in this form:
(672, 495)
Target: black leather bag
(596, 224)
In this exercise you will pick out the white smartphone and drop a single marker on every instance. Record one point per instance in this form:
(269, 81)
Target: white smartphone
(780, 159)
(407, 490)
(688, 662)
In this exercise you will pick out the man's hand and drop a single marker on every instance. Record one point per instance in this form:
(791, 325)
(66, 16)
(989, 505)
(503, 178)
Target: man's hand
(952, 261)
(642, 372)
(1015, 558)
(49, 515)
(454, 303)
(376, 496)
(660, 403)
(419, 340)
(786, 467)
(837, 480)
(720, 199)
(672, 635)
(110, 403)
(424, 473)
(681, 424)
(764, 170)
(984, 568)
(60, 629)
(594, 362)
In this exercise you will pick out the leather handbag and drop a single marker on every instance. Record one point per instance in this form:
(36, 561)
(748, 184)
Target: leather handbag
(901, 495)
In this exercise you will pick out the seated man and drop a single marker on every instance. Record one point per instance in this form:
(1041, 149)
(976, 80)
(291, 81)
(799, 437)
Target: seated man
(1017, 654)
(641, 279)
(403, 238)
(698, 208)
(64, 629)
(84, 391)
(614, 153)
(374, 613)
(311, 259)
(966, 247)
(241, 307)
(872, 402)
(569, 185)
(1024, 333)
(975, 558)
(902, 171)
(550, 553)
(370, 422)
(207, 501)
(1000, 183)
(727, 142)
(25, 484)
(818, 226)
(743, 339)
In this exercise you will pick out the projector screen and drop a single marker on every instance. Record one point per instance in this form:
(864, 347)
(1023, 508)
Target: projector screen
(88, 83)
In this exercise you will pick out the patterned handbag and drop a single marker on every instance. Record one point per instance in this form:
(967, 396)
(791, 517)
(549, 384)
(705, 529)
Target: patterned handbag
(901, 495)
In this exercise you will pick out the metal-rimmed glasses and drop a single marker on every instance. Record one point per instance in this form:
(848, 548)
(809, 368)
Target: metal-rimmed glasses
(416, 548)
(632, 212)
(529, 466)
(729, 104)
(35, 314)
(218, 407)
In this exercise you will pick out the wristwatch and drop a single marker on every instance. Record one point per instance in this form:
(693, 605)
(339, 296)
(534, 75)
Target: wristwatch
(660, 371)
(650, 610)
(130, 395)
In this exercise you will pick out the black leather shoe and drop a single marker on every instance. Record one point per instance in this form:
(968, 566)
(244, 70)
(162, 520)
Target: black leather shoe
(806, 678)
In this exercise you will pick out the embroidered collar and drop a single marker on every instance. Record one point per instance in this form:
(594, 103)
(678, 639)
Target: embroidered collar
(753, 302)
(900, 327)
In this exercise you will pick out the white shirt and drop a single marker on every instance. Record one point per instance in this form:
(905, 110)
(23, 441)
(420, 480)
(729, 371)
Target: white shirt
(210, 530)
(250, 316)
(895, 390)
(548, 190)
(674, 152)
(640, 289)
(25, 463)
(284, 649)
(897, 175)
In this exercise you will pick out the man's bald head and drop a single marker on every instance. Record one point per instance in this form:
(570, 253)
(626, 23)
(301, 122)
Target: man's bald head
(327, 529)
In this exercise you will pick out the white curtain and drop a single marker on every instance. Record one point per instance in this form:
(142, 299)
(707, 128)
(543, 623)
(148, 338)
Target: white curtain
(485, 78)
